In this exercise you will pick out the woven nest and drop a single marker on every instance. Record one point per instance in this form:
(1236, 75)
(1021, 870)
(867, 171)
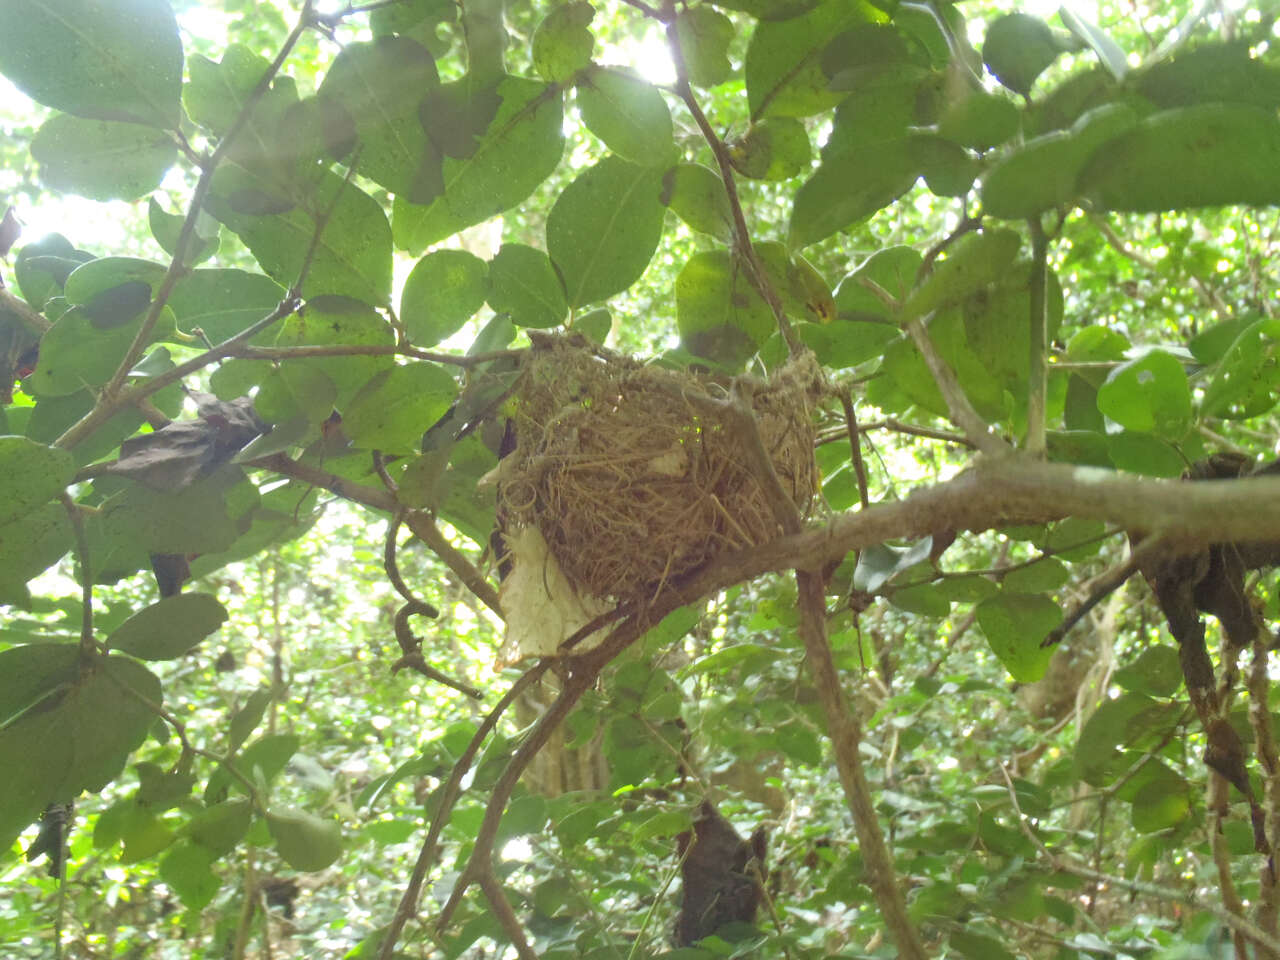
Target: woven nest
(635, 475)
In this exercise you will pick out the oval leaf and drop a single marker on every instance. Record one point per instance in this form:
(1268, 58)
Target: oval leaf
(110, 61)
(1149, 395)
(303, 840)
(170, 628)
(604, 228)
(393, 411)
(629, 114)
(524, 284)
(102, 159)
(442, 293)
(1014, 625)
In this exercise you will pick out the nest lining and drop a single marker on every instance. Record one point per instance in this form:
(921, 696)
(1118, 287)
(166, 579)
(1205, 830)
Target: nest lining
(634, 474)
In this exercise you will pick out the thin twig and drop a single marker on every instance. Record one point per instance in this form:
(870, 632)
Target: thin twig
(1102, 587)
(177, 267)
(962, 413)
(87, 645)
(855, 448)
(449, 794)
(896, 426)
(424, 528)
(741, 233)
(1187, 897)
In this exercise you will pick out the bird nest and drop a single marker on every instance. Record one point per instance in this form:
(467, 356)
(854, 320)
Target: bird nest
(637, 474)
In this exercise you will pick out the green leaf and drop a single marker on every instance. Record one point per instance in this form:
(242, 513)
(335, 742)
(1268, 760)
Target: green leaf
(377, 88)
(352, 257)
(333, 321)
(247, 718)
(42, 267)
(76, 353)
(866, 56)
(1109, 54)
(1247, 378)
(783, 66)
(526, 815)
(604, 227)
(595, 324)
(261, 762)
(29, 545)
(1156, 673)
(303, 840)
(1163, 803)
(978, 946)
(1018, 48)
(1212, 72)
(93, 285)
(187, 869)
(117, 61)
(704, 36)
(849, 186)
(1045, 574)
(524, 284)
(170, 628)
(979, 120)
(770, 9)
(697, 195)
(776, 148)
(1207, 155)
(196, 519)
(973, 262)
(1014, 625)
(1125, 721)
(1043, 173)
(629, 114)
(78, 740)
(718, 312)
(878, 564)
(33, 672)
(746, 658)
(223, 302)
(1144, 454)
(562, 44)
(891, 270)
(385, 832)
(1150, 395)
(393, 411)
(442, 293)
(219, 827)
(102, 159)
(31, 474)
(217, 91)
(166, 227)
(519, 148)
(926, 599)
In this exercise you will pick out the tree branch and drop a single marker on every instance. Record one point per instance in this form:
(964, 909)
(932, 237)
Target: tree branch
(741, 232)
(1038, 369)
(449, 794)
(977, 430)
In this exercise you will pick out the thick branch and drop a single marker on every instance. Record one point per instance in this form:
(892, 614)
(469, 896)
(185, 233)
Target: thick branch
(1011, 490)
(32, 319)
